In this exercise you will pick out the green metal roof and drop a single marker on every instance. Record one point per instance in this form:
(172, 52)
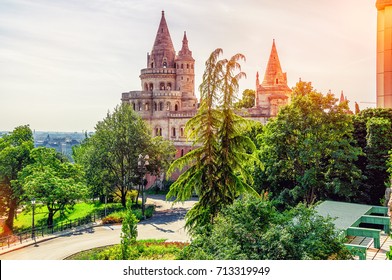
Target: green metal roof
(346, 214)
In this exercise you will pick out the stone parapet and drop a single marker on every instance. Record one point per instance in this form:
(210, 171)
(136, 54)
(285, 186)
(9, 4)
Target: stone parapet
(381, 4)
(158, 71)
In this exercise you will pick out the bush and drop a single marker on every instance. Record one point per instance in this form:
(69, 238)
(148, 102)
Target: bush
(142, 250)
(117, 217)
(131, 195)
(252, 229)
(114, 218)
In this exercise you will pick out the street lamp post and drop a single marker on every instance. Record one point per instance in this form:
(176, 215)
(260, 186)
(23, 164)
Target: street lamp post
(142, 164)
(32, 221)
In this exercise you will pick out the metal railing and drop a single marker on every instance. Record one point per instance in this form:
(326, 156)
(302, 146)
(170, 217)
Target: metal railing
(41, 231)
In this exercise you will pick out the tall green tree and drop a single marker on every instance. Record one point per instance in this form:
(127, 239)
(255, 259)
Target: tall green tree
(53, 181)
(247, 100)
(373, 134)
(14, 156)
(308, 151)
(110, 156)
(214, 168)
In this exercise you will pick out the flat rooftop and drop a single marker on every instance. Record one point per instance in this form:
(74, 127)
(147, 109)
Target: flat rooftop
(345, 214)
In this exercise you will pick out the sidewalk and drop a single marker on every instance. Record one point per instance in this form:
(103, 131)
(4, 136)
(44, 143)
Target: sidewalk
(39, 238)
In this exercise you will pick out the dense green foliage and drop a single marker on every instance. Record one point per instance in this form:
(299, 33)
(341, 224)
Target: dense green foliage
(247, 100)
(251, 228)
(53, 181)
(373, 133)
(215, 168)
(14, 156)
(308, 151)
(141, 250)
(128, 232)
(110, 156)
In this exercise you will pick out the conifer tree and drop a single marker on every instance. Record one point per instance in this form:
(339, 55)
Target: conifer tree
(215, 167)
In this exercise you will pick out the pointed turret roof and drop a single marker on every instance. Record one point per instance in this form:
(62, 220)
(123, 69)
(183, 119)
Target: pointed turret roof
(274, 74)
(163, 50)
(185, 52)
(342, 98)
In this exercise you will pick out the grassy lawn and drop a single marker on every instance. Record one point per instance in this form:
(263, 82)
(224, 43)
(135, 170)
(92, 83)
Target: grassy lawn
(151, 249)
(80, 210)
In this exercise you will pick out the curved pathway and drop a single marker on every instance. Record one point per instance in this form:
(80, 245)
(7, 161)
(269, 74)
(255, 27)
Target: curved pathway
(167, 223)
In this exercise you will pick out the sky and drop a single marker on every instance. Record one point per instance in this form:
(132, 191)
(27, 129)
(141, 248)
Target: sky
(65, 63)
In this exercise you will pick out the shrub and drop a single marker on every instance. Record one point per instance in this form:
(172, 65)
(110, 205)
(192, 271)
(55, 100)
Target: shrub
(114, 218)
(252, 228)
(389, 254)
(131, 195)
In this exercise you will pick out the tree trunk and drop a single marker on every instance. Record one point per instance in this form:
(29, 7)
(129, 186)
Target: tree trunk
(124, 198)
(9, 223)
(50, 217)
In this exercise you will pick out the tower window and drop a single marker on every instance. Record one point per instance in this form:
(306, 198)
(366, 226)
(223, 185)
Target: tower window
(175, 107)
(151, 86)
(152, 64)
(165, 64)
(139, 106)
(276, 81)
(158, 131)
(134, 106)
(182, 132)
(155, 106)
(160, 106)
(173, 132)
(168, 106)
(182, 152)
(147, 106)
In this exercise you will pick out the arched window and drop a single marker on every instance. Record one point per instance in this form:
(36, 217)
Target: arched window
(162, 86)
(168, 86)
(134, 106)
(173, 132)
(151, 86)
(152, 64)
(160, 106)
(175, 107)
(147, 106)
(182, 152)
(155, 106)
(158, 131)
(168, 106)
(182, 132)
(139, 106)
(276, 81)
(145, 86)
(164, 64)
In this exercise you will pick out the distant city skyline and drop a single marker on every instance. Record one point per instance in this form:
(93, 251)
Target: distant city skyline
(64, 64)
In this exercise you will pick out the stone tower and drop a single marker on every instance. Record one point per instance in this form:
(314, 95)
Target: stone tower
(273, 92)
(167, 99)
(384, 53)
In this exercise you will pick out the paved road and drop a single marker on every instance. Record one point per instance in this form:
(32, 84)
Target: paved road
(167, 222)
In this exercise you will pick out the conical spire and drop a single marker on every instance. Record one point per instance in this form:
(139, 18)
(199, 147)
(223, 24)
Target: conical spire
(185, 52)
(274, 74)
(163, 53)
(342, 98)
